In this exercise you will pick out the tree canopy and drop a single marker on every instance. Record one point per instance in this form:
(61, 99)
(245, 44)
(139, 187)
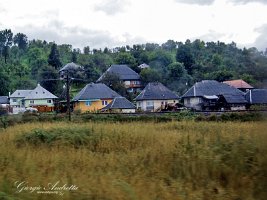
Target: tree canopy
(24, 63)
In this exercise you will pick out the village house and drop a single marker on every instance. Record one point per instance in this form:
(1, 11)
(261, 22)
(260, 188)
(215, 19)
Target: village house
(127, 76)
(38, 98)
(120, 105)
(239, 84)
(4, 104)
(155, 96)
(93, 97)
(257, 97)
(212, 95)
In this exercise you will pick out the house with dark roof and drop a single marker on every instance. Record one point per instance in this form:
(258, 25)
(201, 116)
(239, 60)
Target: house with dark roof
(129, 77)
(212, 95)
(4, 100)
(239, 84)
(120, 105)
(4, 105)
(155, 96)
(257, 97)
(93, 97)
(38, 98)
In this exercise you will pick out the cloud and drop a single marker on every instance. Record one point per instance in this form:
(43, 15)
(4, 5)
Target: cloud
(248, 1)
(198, 2)
(261, 41)
(112, 7)
(76, 36)
(211, 36)
(209, 2)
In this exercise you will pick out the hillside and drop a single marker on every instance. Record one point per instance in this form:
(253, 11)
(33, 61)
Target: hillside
(177, 65)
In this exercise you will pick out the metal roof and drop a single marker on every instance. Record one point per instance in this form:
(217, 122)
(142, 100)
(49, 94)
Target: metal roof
(96, 91)
(4, 100)
(119, 103)
(122, 71)
(210, 87)
(156, 91)
(40, 93)
(240, 84)
(257, 96)
(20, 93)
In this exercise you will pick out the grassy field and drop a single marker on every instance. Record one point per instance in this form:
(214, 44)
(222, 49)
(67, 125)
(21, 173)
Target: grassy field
(135, 161)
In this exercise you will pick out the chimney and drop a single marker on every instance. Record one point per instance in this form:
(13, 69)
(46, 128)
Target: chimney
(250, 97)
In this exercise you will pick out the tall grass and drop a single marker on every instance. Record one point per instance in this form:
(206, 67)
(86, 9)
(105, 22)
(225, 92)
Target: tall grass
(146, 161)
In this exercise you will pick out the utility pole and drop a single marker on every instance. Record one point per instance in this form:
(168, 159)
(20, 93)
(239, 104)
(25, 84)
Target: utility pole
(68, 96)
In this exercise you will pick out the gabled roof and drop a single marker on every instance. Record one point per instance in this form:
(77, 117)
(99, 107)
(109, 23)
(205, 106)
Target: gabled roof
(122, 71)
(20, 93)
(232, 98)
(240, 84)
(40, 93)
(211, 87)
(95, 91)
(119, 103)
(156, 91)
(71, 67)
(4, 100)
(257, 96)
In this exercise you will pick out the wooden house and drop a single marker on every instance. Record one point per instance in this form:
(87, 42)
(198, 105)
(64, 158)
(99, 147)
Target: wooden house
(127, 76)
(212, 95)
(120, 105)
(93, 97)
(155, 96)
(38, 98)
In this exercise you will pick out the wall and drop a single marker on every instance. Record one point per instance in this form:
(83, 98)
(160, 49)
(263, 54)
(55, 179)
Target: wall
(17, 103)
(193, 102)
(143, 105)
(39, 102)
(95, 105)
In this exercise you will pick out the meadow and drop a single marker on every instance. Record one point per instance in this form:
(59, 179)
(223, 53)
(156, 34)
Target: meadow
(173, 160)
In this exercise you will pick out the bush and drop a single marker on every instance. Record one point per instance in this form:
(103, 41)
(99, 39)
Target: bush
(75, 137)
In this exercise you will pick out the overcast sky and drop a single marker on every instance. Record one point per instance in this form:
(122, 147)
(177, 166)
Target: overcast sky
(111, 23)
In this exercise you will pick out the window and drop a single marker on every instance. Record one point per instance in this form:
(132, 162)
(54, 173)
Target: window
(49, 101)
(104, 103)
(150, 105)
(31, 101)
(14, 100)
(88, 103)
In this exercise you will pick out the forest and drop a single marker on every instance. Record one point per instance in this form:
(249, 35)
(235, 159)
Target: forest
(178, 65)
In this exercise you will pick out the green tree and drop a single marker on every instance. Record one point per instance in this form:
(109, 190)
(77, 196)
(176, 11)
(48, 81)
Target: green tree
(169, 45)
(5, 42)
(125, 58)
(185, 56)
(176, 70)
(53, 58)
(4, 82)
(113, 81)
(21, 41)
(49, 78)
(150, 75)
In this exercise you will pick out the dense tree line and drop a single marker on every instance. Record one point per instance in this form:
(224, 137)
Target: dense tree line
(178, 65)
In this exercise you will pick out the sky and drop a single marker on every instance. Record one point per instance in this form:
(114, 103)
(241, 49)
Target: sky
(113, 23)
